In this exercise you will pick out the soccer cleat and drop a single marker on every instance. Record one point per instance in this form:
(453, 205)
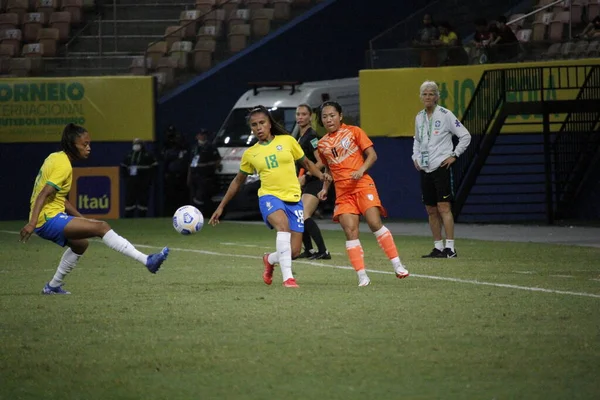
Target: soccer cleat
(435, 253)
(53, 290)
(401, 272)
(268, 273)
(306, 254)
(448, 253)
(291, 282)
(321, 256)
(155, 260)
(364, 281)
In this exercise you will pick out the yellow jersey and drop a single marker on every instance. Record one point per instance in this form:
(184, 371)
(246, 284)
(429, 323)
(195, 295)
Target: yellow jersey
(58, 173)
(275, 163)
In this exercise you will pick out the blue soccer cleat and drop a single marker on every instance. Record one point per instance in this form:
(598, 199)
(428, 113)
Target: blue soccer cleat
(53, 290)
(155, 260)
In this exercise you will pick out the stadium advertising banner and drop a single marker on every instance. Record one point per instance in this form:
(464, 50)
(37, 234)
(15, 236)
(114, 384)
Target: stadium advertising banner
(116, 108)
(95, 192)
(389, 99)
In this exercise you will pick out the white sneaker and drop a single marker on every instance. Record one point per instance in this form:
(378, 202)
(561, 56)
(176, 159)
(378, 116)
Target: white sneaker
(401, 272)
(363, 281)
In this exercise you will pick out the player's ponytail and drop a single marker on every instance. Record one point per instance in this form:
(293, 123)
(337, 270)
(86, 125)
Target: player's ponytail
(276, 128)
(67, 143)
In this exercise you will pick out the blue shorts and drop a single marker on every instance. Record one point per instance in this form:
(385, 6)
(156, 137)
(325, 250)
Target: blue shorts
(53, 229)
(294, 211)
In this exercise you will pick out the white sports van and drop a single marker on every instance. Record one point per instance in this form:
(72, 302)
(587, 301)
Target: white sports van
(281, 98)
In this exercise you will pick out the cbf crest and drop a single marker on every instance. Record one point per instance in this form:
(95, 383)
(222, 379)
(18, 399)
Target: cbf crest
(279, 147)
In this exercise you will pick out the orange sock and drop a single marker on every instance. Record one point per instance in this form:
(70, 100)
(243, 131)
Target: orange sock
(355, 254)
(386, 242)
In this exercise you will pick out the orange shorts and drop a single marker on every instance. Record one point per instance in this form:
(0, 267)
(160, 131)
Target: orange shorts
(358, 203)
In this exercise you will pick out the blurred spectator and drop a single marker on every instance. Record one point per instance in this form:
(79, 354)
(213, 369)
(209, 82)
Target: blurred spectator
(425, 39)
(137, 170)
(176, 160)
(504, 43)
(480, 42)
(201, 178)
(450, 51)
(592, 30)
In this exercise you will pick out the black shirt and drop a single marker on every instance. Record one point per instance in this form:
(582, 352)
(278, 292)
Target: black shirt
(308, 142)
(202, 154)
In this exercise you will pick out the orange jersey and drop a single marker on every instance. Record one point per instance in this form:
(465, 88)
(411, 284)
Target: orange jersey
(342, 151)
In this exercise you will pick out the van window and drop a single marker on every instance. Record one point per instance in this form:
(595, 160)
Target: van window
(236, 133)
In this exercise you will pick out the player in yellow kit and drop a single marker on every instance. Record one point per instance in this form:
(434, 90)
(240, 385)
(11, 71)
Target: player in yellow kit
(274, 158)
(53, 218)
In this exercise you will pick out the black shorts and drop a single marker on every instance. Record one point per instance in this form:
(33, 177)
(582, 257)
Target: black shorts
(313, 186)
(437, 186)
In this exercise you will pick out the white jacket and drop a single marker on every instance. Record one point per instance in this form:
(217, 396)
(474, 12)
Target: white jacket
(438, 140)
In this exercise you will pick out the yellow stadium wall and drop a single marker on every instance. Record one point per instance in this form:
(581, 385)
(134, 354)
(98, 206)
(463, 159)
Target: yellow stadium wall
(116, 108)
(389, 99)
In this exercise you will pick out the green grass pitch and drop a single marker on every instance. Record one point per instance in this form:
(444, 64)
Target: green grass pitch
(503, 321)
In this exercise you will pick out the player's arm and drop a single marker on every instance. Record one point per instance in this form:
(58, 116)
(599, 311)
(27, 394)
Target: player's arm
(71, 210)
(234, 188)
(314, 170)
(370, 158)
(40, 200)
(322, 195)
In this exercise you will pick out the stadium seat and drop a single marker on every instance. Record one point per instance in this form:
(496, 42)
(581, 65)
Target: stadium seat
(160, 80)
(173, 34)
(568, 50)
(190, 20)
(6, 53)
(539, 31)
(207, 32)
(228, 5)
(281, 10)
(32, 25)
(48, 37)
(75, 8)
(61, 20)
(203, 54)
(593, 49)
(12, 37)
(580, 48)
(238, 37)
(167, 66)
(180, 53)
(18, 7)
(593, 10)
(255, 4)
(19, 66)
(47, 7)
(553, 51)
(35, 52)
(9, 21)
(524, 35)
(205, 6)
(261, 21)
(137, 66)
(157, 51)
(555, 31)
(237, 17)
(215, 18)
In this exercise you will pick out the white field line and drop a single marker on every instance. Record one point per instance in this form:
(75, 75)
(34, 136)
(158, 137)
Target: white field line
(262, 247)
(438, 278)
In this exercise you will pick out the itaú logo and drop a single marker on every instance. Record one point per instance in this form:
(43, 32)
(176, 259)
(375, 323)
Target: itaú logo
(93, 194)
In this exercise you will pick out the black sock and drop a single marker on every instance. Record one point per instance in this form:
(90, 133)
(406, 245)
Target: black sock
(306, 240)
(313, 230)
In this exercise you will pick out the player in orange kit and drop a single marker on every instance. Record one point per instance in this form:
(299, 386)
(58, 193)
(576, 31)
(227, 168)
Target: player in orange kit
(348, 153)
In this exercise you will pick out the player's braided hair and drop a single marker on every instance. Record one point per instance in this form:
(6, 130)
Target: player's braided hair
(67, 142)
(276, 128)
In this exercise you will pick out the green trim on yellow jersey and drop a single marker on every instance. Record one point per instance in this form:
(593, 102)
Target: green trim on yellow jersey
(53, 185)
(245, 173)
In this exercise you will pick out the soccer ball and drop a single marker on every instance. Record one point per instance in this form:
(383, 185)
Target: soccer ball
(188, 220)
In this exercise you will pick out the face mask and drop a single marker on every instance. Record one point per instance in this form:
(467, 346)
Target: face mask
(201, 142)
(137, 147)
